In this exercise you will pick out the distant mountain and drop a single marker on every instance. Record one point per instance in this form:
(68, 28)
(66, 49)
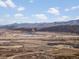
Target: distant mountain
(62, 28)
(55, 26)
(40, 25)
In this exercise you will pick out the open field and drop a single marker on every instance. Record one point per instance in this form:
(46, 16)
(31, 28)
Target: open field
(38, 45)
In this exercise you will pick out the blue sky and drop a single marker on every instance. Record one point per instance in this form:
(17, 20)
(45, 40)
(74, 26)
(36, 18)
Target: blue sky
(36, 11)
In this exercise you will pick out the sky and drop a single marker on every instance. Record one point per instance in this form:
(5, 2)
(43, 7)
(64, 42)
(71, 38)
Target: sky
(38, 11)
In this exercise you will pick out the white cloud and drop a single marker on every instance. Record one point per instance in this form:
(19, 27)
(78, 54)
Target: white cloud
(61, 18)
(72, 8)
(20, 9)
(20, 16)
(67, 9)
(6, 21)
(75, 7)
(7, 3)
(54, 11)
(10, 3)
(77, 17)
(2, 4)
(64, 17)
(41, 16)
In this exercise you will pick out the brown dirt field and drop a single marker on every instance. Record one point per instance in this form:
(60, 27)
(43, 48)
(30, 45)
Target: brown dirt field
(38, 45)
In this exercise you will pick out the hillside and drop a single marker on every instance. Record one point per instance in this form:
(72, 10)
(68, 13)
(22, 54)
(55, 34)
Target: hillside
(69, 26)
(62, 28)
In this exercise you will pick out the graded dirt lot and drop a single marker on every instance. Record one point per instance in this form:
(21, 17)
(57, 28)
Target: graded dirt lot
(38, 45)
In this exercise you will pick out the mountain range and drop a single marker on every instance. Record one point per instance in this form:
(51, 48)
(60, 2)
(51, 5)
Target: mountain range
(69, 26)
